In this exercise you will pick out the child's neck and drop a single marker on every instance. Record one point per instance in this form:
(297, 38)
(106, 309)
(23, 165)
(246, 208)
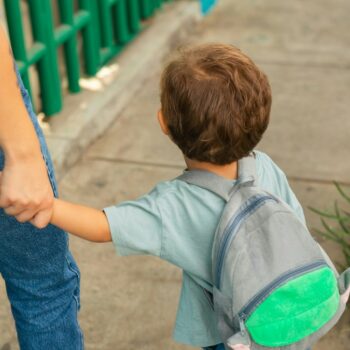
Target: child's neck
(228, 171)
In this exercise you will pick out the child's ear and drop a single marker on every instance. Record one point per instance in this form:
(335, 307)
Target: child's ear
(162, 122)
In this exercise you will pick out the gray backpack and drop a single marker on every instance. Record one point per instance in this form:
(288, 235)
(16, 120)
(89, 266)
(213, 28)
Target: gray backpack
(274, 286)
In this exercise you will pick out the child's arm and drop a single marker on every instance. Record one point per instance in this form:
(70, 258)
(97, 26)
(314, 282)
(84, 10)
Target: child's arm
(84, 222)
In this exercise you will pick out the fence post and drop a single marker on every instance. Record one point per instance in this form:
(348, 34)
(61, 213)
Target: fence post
(15, 27)
(106, 23)
(70, 46)
(91, 40)
(157, 3)
(134, 15)
(121, 22)
(43, 32)
(146, 7)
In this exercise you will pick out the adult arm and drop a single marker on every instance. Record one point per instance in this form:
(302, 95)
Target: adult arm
(25, 190)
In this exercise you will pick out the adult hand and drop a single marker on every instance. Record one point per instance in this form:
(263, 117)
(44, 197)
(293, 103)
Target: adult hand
(25, 191)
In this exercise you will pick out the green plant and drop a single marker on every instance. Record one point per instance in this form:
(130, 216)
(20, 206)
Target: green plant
(340, 232)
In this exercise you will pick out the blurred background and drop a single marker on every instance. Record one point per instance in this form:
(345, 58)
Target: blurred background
(93, 67)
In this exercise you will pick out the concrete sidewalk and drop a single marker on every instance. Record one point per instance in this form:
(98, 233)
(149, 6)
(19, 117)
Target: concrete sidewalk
(130, 303)
(304, 48)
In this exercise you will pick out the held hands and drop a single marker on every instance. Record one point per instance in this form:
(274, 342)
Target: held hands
(25, 191)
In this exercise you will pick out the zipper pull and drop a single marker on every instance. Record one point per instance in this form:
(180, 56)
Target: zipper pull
(242, 325)
(240, 340)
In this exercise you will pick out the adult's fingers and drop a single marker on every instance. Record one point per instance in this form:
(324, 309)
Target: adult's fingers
(4, 202)
(15, 210)
(26, 186)
(25, 216)
(11, 201)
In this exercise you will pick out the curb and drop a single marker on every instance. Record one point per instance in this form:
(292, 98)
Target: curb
(88, 115)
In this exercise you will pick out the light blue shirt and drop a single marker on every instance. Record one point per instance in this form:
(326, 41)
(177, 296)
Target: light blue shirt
(176, 221)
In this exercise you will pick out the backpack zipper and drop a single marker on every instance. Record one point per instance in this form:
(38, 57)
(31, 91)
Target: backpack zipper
(232, 228)
(247, 310)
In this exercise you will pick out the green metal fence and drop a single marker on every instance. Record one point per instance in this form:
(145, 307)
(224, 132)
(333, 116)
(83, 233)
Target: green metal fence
(105, 26)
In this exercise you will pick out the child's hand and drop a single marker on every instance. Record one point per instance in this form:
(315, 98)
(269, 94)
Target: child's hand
(240, 347)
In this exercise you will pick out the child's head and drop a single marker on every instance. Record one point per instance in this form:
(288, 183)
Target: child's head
(215, 103)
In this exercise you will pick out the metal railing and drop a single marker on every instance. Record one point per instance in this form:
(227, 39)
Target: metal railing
(105, 27)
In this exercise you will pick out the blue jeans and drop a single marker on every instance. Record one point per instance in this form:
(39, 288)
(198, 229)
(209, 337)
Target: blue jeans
(41, 276)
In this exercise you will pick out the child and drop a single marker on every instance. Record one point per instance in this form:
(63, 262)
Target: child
(215, 106)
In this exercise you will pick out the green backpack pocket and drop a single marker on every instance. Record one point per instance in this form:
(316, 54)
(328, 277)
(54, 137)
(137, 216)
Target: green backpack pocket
(295, 309)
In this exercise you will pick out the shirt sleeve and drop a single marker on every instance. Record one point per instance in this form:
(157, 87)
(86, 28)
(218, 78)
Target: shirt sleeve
(276, 181)
(136, 226)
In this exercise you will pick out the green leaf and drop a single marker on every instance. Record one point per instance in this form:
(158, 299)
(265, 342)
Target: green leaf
(341, 191)
(328, 228)
(346, 254)
(340, 267)
(329, 215)
(341, 222)
(326, 235)
(341, 233)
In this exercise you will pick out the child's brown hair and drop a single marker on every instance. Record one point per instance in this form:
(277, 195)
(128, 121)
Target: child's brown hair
(216, 103)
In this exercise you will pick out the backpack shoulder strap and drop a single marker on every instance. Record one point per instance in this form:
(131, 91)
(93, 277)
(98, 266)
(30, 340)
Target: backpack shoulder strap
(219, 185)
(247, 170)
(344, 285)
